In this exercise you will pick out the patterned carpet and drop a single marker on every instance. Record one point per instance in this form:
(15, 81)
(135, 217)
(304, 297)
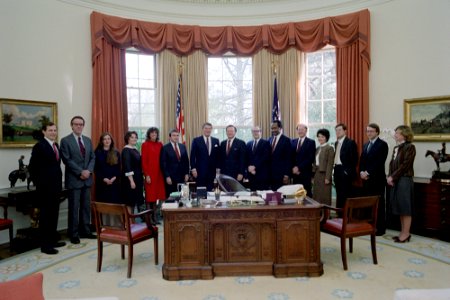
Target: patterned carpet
(422, 263)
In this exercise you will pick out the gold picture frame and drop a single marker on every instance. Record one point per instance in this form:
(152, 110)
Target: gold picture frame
(429, 118)
(22, 121)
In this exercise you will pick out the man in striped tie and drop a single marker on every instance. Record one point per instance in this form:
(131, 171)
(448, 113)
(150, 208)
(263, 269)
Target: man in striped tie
(174, 162)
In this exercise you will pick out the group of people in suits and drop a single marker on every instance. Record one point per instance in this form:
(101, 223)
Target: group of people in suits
(265, 164)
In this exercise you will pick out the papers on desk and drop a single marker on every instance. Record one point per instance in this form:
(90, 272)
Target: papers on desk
(169, 205)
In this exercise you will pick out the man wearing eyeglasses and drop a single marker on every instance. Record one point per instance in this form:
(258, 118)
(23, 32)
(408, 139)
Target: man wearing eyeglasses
(78, 156)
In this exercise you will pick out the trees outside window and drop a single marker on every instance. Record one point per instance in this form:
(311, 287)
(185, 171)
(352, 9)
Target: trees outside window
(321, 91)
(230, 95)
(143, 109)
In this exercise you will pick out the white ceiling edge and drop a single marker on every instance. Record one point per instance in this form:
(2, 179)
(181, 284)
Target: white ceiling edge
(213, 14)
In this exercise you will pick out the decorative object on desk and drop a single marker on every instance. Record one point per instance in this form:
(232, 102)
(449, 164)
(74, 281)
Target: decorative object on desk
(201, 192)
(439, 157)
(22, 121)
(22, 173)
(273, 198)
(429, 118)
(217, 192)
(300, 194)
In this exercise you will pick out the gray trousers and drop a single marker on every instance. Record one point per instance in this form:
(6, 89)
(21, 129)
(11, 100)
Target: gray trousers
(79, 212)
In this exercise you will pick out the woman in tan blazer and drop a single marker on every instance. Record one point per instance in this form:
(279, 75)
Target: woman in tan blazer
(323, 168)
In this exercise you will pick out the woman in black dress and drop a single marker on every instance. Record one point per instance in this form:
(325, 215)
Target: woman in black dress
(400, 180)
(107, 170)
(133, 183)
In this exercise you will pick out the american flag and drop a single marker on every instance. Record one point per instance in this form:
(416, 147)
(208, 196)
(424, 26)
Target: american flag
(180, 114)
(276, 114)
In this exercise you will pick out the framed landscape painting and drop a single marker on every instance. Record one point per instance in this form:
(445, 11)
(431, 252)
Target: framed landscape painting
(429, 118)
(22, 121)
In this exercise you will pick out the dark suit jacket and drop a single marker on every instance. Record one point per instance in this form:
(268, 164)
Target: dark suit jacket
(280, 161)
(45, 170)
(260, 158)
(349, 156)
(170, 166)
(75, 163)
(304, 159)
(233, 163)
(204, 163)
(373, 161)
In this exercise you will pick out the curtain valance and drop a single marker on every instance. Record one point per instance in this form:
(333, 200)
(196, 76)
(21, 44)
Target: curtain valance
(307, 36)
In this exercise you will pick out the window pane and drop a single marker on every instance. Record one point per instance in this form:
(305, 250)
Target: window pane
(314, 64)
(315, 112)
(329, 87)
(329, 63)
(329, 111)
(315, 88)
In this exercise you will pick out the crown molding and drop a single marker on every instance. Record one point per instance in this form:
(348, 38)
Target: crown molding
(225, 12)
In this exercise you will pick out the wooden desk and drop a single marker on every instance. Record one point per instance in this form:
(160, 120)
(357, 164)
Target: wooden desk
(283, 241)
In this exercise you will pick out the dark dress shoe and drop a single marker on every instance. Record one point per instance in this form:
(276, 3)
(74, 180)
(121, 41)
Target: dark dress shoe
(50, 251)
(59, 244)
(398, 240)
(88, 236)
(75, 240)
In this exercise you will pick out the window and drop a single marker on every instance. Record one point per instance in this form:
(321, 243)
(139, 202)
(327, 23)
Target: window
(230, 95)
(141, 93)
(321, 91)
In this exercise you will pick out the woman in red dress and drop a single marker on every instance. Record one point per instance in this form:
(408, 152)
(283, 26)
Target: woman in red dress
(154, 180)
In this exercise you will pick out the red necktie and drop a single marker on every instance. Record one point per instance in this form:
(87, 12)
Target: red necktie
(177, 152)
(274, 141)
(82, 149)
(56, 151)
(228, 146)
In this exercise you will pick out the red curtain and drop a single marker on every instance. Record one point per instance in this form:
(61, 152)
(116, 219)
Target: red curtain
(350, 33)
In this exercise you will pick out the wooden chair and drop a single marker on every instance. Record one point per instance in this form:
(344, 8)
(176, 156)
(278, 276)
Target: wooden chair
(359, 217)
(126, 232)
(6, 223)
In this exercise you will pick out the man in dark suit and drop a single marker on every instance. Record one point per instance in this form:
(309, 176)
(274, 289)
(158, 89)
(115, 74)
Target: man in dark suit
(78, 156)
(205, 158)
(174, 163)
(304, 153)
(281, 158)
(258, 161)
(232, 155)
(45, 169)
(345, 160)
(372, 172)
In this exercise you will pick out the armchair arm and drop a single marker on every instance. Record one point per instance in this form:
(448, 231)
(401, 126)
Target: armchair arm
(326, 212)
(140, 214)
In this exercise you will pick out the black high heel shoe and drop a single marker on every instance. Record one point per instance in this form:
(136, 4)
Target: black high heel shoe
(398, 240)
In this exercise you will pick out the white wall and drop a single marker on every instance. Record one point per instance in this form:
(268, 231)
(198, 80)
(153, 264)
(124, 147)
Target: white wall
(45, 54)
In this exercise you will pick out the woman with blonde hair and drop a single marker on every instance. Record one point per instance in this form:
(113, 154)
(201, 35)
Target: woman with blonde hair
(400, 179)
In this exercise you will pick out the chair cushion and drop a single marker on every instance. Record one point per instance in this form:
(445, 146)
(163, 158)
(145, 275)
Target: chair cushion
(5, 223)
(138, 231)
(26, 288)
(335, 226)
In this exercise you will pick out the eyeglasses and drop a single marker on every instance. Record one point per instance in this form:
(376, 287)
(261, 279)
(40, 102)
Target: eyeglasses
(77, 124)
